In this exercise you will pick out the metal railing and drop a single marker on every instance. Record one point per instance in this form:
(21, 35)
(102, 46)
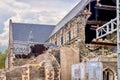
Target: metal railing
(107, 29)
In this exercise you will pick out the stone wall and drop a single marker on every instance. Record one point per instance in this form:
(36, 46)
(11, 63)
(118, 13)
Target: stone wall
(43, 67)
(76, 27)
(33, 72)
(67, 57)
(2, 75)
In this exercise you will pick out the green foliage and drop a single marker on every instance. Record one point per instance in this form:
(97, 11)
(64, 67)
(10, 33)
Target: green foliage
(2, 59)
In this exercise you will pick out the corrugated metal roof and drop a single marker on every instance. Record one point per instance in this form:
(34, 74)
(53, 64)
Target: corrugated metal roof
(80, 6)
(40, 33)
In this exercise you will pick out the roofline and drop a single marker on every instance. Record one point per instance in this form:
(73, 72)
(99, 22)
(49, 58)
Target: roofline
(33, 24)
(78, 6)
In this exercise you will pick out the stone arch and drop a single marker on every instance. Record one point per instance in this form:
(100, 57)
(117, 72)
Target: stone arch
(108, 74)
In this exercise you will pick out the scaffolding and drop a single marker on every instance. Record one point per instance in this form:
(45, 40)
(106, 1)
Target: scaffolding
(118, 36)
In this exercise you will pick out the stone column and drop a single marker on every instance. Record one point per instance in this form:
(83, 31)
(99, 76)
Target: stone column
(49, 71)
(9, 64)
(25, 73)
(81, 36)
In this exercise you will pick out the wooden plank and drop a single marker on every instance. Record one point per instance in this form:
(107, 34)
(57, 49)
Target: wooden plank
(104, 43)
(93, 22)
(93, 27)
(105, 7)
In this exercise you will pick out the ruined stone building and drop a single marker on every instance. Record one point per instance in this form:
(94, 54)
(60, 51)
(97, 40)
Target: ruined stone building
(71, 41)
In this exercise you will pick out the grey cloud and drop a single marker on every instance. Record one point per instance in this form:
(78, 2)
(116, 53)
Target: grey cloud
(34, 11)
(5, 14)
(43, 17)
(51, 4)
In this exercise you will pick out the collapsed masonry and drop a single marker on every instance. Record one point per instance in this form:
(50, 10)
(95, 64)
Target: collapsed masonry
(56, 64)
(2, 75)
(48, 65)
(39, 69)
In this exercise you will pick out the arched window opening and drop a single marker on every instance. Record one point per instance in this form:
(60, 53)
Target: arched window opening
(108, 74)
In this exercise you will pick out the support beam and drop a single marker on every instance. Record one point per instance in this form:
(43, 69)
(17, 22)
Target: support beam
(93, 27)
(104, 43)
(96, 22)
(105, 7)
(93, 23)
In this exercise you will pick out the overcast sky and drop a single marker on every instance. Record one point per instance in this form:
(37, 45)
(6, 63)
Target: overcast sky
(31, 11)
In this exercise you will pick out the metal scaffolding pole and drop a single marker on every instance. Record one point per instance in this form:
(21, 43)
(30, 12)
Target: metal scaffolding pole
(118, 37)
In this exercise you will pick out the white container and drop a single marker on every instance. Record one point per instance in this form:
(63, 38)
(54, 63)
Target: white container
(94, 70)
(78, 71)
(87, 71)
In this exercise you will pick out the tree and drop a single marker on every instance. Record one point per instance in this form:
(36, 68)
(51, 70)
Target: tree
(0, 52)
(2, 58)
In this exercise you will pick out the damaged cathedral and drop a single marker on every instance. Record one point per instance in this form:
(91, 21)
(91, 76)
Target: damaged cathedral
(49, 52)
